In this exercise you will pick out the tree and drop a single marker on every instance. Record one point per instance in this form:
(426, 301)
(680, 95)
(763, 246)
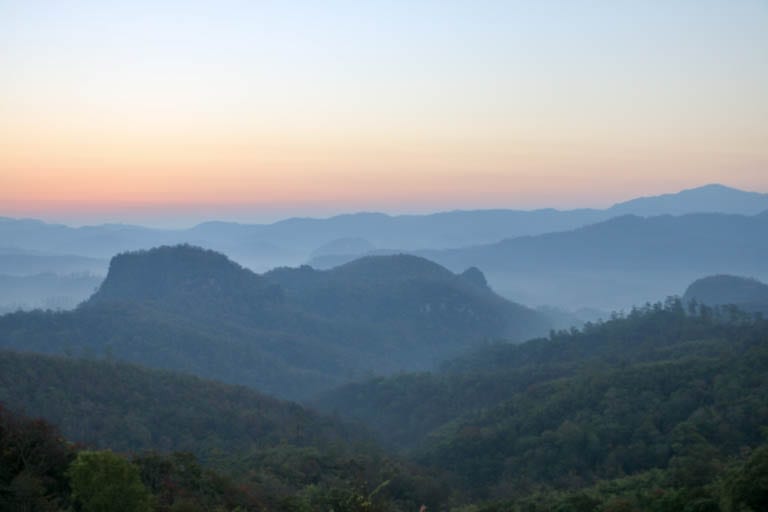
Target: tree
(105, 482)
(747, 488)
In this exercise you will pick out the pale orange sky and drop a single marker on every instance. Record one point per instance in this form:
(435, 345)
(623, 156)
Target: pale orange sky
(260, 107)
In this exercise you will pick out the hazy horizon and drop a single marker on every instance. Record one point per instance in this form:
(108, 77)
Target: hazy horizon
(178, 216)
(108, 107)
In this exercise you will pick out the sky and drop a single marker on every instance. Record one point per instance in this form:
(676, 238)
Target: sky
(169, 112)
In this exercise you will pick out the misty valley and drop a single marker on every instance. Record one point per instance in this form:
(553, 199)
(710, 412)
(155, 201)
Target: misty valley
(471, 361)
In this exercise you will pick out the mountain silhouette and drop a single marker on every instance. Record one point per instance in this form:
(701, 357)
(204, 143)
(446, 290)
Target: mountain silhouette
(746, 293)
(290, 332)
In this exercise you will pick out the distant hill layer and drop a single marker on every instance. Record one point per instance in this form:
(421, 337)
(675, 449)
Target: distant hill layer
(620, 262)
(712, 198)
(748, 294)
(630, 243)
(612, 264)
(329, 242)
(293, 241)
(291, 332)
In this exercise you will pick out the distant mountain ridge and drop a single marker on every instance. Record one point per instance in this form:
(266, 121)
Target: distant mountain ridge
(713, 198)
(292, 241)
(290, 332)
(613, 264)
(620, 262)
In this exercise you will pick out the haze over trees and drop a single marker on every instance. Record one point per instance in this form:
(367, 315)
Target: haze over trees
(290, 332)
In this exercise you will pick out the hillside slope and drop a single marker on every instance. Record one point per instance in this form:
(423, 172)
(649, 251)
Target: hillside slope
(618, 398)
(105, 404)
(290, 332)
(269, 454)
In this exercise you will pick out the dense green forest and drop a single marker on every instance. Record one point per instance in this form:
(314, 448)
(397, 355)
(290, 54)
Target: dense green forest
(107, 404)
(664, 408)
(290, 333)
(661, 408)
(198, 444)
(661, 390)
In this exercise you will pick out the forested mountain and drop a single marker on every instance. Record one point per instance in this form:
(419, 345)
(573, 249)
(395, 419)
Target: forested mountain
(660, 388)
(425, 307)
(745, 293)
(290, 332)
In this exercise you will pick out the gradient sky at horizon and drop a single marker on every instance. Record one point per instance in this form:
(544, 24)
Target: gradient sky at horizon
(167, 110)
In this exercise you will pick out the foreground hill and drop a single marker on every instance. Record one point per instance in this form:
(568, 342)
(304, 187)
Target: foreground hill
(745, 293)
(105, 404)
(269, 454)
(658, 389)
(290, 332)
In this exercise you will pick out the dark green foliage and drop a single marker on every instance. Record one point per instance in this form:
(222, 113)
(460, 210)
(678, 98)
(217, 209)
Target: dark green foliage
(113, 405)
(659, 388)
(745, 488)
(105, 482)
(33, 462)
(278, 453)
(179, 483)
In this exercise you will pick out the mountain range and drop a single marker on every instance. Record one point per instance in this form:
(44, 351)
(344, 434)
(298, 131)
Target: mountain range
(290, 332)
(603, 259)
(616, 263)
(293, 241)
